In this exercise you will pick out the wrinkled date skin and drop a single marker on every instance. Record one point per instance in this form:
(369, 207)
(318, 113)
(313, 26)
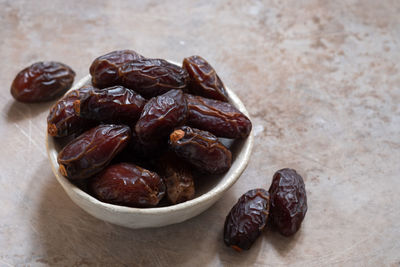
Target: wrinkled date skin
(288, 201)
(152, 77)
(247, 219)
(114, 105)
(129, 185)
(104, 69)
(177, 177)
(204, 80)
(42, 81)
(62, 120)
(91, 152)
(217, 117)
(201, 149)
(160, 116)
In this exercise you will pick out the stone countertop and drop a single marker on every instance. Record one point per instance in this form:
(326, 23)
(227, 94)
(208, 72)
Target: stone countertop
(319, 78)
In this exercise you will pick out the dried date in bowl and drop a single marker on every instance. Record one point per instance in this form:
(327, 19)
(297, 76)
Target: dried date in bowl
(93, 150)
(206, 195)
(128, 185)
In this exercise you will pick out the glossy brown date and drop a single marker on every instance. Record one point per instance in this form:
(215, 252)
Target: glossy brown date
(104, 69)
(129, 185)
(247, 219)
(91, 152)
(288, 201)
(203, 79)
(217, 117)
(62, 120)
(201, 149)
(152, 77)
(160, 116)
(42, 81)
(113, 105)
(177, 177)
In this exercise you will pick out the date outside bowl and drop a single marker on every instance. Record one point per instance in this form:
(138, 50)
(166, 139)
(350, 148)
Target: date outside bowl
(210, 191)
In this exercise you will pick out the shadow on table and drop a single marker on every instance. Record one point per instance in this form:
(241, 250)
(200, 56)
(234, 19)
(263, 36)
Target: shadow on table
(70, 236)
(282, 244)
(18, 111)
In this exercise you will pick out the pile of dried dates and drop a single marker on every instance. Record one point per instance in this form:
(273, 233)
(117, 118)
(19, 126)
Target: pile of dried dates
(284, 205)
(143, 131)
(145, 128)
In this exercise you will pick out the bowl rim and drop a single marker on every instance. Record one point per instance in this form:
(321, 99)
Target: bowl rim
(219, 189)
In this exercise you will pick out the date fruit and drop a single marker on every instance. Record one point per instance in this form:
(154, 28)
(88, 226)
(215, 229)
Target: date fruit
(152, 77)
(204, 80)
(288, 201)
(201, 149)
(42, 81)
(247, 219)
(62, 120)
(104, 69)
(160, 116)
(113, 105)
(217, 117)
(129, 185)
(177, 177)
(91, 152)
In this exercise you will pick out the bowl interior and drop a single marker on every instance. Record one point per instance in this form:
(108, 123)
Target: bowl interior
(208, 187)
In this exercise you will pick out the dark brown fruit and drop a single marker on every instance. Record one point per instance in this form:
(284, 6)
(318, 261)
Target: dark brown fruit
(288, 201)
(152, 77)
(201, 149)
(92, 151)
(104, 69)
(160, 116)
(62, 120)
(204, 81)
(177, 177)
(129, 185)
(42, 81)
(113, 105)
(247, 219)
(217, 117)
(148, 77)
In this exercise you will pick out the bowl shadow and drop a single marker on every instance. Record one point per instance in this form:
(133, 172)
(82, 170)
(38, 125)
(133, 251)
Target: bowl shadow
(71, 237)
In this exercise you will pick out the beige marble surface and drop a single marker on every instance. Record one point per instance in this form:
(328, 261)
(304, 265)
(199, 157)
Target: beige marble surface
(321, 80)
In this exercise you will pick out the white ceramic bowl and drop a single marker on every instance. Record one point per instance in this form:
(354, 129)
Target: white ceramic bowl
(207, 195)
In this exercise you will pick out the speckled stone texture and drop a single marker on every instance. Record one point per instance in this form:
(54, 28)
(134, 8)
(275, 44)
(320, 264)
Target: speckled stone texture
(321, 81)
